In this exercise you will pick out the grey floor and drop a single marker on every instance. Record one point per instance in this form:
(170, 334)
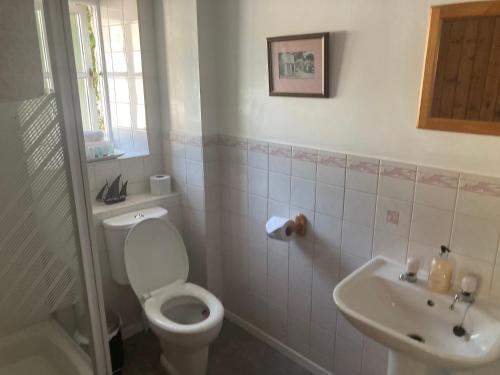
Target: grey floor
(233, 352)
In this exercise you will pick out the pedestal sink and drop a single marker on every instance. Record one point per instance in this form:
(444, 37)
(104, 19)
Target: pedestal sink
(417, 324)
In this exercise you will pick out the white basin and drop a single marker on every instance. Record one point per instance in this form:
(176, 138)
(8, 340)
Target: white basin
(386, 309)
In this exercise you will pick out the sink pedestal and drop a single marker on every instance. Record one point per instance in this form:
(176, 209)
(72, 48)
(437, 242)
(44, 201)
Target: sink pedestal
(400, 364)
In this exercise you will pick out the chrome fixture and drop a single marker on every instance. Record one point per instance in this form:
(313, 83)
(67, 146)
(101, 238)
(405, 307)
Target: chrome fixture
(410, 275)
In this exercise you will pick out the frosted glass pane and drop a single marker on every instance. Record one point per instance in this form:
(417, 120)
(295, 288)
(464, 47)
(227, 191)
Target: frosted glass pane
(139, 91)
(136, 40)
(84, 103)
(123, 115)
(119, 62)
(141, 117)
(137, 62)
(116, 38)
(122, 90)
(77, 46)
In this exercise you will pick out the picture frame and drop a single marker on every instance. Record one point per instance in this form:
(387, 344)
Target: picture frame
(298, 65)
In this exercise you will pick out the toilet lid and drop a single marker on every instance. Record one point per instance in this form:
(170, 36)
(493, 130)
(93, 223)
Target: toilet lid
(155, 256)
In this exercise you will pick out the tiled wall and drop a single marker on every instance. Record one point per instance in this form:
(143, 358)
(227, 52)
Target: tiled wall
(192, 162)
(357, 208)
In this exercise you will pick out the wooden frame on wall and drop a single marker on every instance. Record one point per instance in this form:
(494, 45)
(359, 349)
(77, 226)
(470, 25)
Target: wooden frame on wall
(429, 118)
(316, 85)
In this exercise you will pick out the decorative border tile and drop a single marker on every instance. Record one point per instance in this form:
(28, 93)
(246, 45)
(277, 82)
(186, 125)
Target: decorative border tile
(304, 154)
(362, 164)
(332, 159)
(210, 140)
(259, 147)
(176, 137)
(194, 140)
(229, 141)
(480, 185)
(401, 171)
(283, 151)
(437, 177)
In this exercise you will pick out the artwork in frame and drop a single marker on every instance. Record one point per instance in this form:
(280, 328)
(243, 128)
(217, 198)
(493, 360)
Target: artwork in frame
(298, 65)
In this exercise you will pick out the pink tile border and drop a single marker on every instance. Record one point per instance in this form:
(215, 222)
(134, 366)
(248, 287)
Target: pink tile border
(259, 147)
(480, 185)
(210, 140)
(398, 170)
(280, 150)
(304, 154)
(176, 138)
(194, 140)
(332, 159)
(437, 177)
(235, 142)
(361, 164)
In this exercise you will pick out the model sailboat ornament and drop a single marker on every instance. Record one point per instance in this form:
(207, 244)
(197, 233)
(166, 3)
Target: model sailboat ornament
(110, 194)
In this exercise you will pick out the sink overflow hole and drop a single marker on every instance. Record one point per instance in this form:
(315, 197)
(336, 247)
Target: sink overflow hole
(416, 337)
(430, 303)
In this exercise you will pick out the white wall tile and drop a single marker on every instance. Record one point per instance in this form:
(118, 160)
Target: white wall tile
(322, 343)
(475, 237)
(479, 205)
(375, 357)
(194, 173)
(431, 226)
(132, 169)
(277, 293)
(393, 216)
(348, 357)
(277, 322)
(390, 245)
(396, 188)
(280, 164)
(257, 209)
(279, 187)
(304, 169)
(299, 303)
(303, 193)
(298, 334)
(359, 207)
(329, 200)
(275, 208)
(360, 181)
(327, 231)
(258, 160)
(349, 263)
(357, 239)
(258, 181)
(331, 175)
(300, 273)
(435, 196)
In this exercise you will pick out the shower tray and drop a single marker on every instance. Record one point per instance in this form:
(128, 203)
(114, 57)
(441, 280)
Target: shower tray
(42, 349)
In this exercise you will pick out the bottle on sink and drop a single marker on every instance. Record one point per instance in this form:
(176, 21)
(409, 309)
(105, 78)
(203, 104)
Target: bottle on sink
(441, 270)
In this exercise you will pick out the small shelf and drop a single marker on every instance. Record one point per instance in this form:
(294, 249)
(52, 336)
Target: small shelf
(133, 201)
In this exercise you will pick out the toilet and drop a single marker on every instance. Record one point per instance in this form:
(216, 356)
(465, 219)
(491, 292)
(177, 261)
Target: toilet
(147, 252)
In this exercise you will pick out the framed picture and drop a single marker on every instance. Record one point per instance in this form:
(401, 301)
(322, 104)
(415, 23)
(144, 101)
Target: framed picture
(298, 65)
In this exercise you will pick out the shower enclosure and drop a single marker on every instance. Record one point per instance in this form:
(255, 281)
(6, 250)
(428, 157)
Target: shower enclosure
(49, 276)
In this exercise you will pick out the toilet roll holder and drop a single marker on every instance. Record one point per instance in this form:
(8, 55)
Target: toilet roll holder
(299, 226)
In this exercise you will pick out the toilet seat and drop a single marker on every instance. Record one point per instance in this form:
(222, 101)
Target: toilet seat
(153, 308)
(157, 266)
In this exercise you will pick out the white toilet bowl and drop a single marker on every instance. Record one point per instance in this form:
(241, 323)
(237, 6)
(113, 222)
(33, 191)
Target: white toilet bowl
(185, 317)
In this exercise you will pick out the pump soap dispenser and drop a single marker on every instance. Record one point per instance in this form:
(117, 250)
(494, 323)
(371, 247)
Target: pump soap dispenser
(441, 270)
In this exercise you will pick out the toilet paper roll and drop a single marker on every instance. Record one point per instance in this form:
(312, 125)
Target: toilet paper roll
(160, 184)
(279, 228)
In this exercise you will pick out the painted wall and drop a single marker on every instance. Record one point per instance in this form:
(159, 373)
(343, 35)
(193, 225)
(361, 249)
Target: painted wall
(178, 65)
(378, 52)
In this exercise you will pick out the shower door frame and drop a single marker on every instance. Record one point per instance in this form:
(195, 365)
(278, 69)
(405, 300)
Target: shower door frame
(57, 19)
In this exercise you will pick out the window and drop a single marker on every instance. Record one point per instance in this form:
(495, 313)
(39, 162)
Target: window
(107, 49)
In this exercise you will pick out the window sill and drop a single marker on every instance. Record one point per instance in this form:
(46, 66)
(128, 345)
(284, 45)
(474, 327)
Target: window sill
(118, 157)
